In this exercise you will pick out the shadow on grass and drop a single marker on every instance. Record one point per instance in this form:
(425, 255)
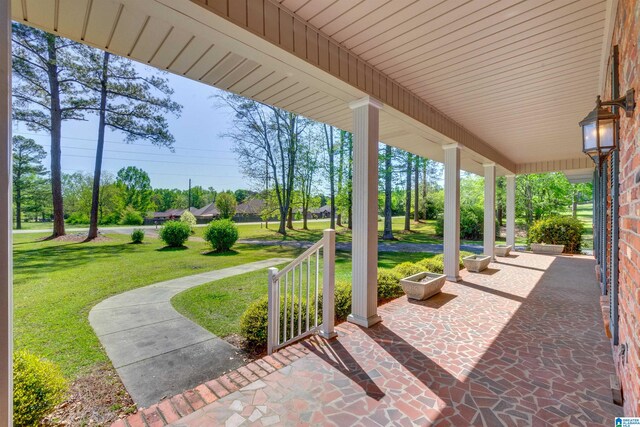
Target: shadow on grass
(215, 253)
(61, 256)
(172, 248)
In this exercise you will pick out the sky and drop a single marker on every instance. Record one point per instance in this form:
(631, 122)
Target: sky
(201, 152)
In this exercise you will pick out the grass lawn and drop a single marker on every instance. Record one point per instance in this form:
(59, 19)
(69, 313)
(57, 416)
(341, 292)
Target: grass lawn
(422, 232)
(585, 214)
(56, 284)
(218, 306)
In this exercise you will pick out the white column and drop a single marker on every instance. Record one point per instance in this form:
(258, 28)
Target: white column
(489, 230)
(452, 212)
(511, 210)
(6, 339)
(364, 281)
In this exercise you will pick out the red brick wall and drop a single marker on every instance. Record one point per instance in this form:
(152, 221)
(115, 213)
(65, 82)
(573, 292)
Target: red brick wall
(626, 35)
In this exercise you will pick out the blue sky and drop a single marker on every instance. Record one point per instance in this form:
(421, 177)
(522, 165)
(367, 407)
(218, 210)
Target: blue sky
(201, 153)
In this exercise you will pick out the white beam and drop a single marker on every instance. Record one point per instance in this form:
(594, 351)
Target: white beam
(364, 298)
(6, 305)
(489, 230)
(452, 212)
(511, 210)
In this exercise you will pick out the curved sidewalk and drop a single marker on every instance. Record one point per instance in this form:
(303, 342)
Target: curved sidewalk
(158, 352)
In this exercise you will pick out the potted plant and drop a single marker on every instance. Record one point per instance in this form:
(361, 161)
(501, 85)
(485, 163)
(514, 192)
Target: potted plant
(422, 285)
(502, 250)
(476, 263)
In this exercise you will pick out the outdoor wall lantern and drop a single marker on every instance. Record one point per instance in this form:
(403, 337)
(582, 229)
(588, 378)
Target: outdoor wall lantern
(599, 127)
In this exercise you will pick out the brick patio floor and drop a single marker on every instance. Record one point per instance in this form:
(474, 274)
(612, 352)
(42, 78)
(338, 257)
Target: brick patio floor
(520, 344)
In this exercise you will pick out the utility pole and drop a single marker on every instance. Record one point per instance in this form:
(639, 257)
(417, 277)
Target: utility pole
(189, 202)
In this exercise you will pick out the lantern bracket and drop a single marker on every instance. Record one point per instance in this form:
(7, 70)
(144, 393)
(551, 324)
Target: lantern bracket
(627, 102)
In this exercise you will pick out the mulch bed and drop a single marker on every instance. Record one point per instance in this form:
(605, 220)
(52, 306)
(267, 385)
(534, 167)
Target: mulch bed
(96, 399)
(76, 238)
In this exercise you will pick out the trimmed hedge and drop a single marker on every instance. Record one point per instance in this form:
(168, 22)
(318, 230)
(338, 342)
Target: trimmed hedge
(175, 233)
(558, 230)
(38, 387)
(221, 234)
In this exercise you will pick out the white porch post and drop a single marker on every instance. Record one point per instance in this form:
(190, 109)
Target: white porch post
(452, 212)
(364, 300)
(489, 230)
(511, 210)
(6, 340)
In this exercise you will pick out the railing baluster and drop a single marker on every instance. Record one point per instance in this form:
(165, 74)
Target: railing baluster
(300, 299)
(293, 300)
(273, 316)
(284, 317)
(308, 287)
(317, 283)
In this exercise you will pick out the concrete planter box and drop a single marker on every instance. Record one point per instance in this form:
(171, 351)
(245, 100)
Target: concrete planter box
(422, 285)
(543, 248)
(476, 263)
(502, 250)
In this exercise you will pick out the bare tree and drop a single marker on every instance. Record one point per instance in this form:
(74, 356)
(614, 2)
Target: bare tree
(331, 152)
(308, 164)
(261, 131)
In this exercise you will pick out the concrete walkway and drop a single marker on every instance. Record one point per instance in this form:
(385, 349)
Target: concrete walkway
(158, 352)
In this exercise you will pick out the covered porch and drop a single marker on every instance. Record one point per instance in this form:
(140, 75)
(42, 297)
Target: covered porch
(519, 344)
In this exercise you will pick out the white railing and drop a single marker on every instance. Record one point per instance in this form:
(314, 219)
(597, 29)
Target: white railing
(299, 281)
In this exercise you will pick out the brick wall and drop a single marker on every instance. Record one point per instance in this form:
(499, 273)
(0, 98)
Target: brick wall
(626, 35)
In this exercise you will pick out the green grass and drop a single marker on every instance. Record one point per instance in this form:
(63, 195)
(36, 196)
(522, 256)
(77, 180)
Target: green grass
(422, 232)
(57, 283)
(218, 306)
(584, 213)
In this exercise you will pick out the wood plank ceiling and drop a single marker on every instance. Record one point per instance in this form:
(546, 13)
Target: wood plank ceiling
(503, 69)
(519, 74)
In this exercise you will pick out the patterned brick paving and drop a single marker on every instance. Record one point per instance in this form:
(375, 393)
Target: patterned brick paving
(520, 344)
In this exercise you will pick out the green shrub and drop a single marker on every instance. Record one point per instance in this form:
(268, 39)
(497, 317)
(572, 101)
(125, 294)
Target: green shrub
(112, 218)
(188, 218)
(175, 233)
(130, 216)
(432, 265)
(471, 222)
(38, 386)
(253, 323)
(222, 234)
(389, 284)
(226, 205)
(407, 269)
(137, 236)
(342, 300)
(558, 230)
(78, 218)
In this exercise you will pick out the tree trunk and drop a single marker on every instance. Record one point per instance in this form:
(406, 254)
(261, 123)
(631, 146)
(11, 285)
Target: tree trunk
(424, 187)
(290, 219)
(339, 220)
(304, 218)
(95, 197)
(407, 205)
(18, 208)
(387, 234)
(282, 224)
(56, 134)
(416, 205)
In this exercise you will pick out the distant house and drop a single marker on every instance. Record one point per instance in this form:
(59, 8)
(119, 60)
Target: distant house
(207, 213)
(249, 211)
(321, 212)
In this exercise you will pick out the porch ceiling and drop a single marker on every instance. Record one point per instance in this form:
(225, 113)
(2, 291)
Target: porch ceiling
(503, 70)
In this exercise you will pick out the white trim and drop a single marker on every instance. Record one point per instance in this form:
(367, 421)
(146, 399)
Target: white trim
(609, 24)
(450, 146)
(6, 261)
(367, 100)
(489, 164)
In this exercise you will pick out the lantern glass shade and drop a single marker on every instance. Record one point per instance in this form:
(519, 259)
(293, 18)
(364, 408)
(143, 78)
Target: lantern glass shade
(598, 133)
